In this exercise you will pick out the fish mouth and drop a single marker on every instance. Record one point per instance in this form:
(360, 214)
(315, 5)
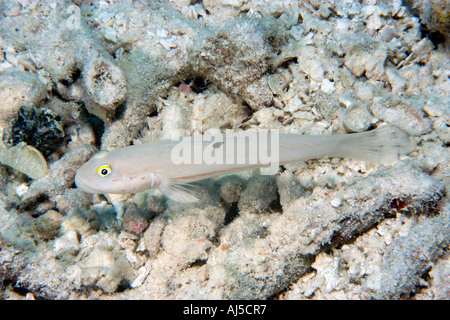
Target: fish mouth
(83, 186)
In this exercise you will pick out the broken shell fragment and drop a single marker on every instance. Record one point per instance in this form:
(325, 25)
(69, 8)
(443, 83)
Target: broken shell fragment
(357, 118)
(26, 159)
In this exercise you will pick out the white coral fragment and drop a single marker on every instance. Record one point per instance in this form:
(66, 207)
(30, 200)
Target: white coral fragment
(106, 87)
(18, 88)
(357, 118)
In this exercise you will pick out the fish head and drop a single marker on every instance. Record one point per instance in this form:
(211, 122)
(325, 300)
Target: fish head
(101, 174)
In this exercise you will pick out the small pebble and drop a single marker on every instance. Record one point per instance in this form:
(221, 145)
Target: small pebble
(336, 202)
(133, 220)
(357, 118)
(21, 190)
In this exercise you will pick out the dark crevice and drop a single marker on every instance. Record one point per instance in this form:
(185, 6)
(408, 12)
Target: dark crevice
(119, 112)
(277, 295)
(434, 36)
(15, 287)
(97, 125)
(76, 74)
(285, 64)
(275, 206)
(232, 213)
(197, 84)
(197, 263)
(123, 285)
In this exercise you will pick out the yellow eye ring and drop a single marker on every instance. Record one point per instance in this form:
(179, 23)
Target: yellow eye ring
(104, 170)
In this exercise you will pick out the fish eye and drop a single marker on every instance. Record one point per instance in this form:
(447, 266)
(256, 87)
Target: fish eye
(104, 170)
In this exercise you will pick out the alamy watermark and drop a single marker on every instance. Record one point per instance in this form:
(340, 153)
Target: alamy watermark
(252, 148)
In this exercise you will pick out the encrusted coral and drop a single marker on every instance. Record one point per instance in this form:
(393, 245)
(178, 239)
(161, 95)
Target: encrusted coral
(237, 56)
(435, 13)
(38, 128)
(105, 85)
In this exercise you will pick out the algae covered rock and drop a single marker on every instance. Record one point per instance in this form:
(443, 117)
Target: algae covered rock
(237, 55)
(435, 14)
(39, 128)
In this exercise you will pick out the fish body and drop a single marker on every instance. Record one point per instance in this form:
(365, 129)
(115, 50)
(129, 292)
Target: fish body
(171, 165)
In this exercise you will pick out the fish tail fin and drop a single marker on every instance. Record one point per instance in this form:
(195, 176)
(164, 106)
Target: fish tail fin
(382, 145)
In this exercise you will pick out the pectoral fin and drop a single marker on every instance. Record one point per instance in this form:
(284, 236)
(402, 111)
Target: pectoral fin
(185, 193)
